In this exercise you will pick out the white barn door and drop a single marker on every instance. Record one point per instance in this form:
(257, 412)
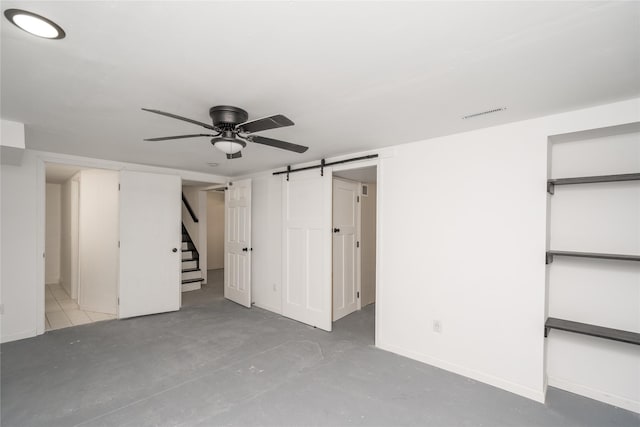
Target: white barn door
(150, 241)
(306, 240)
(237, 242)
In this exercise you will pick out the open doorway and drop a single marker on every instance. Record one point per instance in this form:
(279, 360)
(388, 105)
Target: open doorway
(203, 222)
(354, 214)
(81, 238)
(216, 246)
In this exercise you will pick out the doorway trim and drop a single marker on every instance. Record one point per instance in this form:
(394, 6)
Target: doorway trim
(378, 163)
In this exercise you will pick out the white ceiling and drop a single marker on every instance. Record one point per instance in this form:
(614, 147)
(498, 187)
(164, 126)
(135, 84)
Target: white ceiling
(352, 75)
(58, 174)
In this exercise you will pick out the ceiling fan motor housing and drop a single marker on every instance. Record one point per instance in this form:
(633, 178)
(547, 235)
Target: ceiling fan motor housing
(225, 115)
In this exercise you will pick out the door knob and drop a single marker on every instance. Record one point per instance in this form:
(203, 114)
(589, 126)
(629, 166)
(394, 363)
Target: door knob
(244, 249)
(174, 250)
(336, 230)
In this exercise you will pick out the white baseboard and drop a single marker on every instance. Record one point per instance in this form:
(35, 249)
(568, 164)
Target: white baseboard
(194, 286)
(529, 393)
(591, 393)
(18, 336)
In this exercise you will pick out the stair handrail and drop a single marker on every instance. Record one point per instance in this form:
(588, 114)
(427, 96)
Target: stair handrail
(189, 209)
(192, 244)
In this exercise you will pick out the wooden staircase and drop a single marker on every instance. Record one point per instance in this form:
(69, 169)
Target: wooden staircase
(191, 274)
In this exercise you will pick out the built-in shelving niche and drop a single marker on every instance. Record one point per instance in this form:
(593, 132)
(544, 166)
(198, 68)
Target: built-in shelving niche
(569, 325)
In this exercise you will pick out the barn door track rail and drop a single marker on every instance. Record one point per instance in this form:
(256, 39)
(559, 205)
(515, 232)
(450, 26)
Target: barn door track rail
(323, 164)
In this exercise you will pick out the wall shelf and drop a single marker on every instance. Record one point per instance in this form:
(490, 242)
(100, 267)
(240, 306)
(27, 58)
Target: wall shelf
(591, 330)
(619, 257)
(551, 183)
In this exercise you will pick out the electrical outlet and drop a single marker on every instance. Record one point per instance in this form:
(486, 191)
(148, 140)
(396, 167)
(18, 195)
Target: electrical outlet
(437, 326)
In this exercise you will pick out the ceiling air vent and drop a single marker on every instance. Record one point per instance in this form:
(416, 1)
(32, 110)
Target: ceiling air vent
(495, 110)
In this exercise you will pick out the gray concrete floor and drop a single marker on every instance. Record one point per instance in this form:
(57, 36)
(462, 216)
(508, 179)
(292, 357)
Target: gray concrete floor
(216, 363)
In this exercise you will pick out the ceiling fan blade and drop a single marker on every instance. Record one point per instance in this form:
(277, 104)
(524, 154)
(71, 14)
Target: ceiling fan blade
(234, 155)
(278, 144)
(277, 121)
(164, 138)
(173, 116)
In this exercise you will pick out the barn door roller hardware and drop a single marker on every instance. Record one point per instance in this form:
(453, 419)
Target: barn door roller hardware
(323, 164)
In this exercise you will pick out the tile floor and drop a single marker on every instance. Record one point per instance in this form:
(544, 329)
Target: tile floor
(61, 311)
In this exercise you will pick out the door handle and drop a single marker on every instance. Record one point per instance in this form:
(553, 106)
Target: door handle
(174, 250)
(336, 230)
(244, 249)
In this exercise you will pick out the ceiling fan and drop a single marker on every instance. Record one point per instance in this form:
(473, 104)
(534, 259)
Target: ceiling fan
(233, 130)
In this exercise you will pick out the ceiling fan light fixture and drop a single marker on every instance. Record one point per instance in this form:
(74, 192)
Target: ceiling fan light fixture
(34, 24)
(228, 145)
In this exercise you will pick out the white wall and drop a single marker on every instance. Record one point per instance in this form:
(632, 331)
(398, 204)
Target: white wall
(266, 235)
(53, 225)
(11, 142)
(215, 229)
(22, 228)
(20, 223)
(368, 246)
(596, 218)
(98, 241)
(69, 237)
(462, 240)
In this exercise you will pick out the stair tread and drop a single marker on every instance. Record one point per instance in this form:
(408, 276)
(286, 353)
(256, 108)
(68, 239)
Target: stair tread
(187, 270)
(200, 279)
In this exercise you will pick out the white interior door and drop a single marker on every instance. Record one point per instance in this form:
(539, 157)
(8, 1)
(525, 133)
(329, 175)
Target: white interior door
(237, 242)
(345, 227)
(150, 241)
(306, 240)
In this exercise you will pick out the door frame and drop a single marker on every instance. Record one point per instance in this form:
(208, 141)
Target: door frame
(379, 303)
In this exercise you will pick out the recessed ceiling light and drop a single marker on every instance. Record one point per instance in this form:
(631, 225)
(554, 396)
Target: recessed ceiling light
(34, 24)
(213, 165)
